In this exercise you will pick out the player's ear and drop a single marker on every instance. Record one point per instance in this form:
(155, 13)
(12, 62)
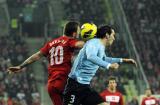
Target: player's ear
(74, 34)
(107, 36)
(116, 83)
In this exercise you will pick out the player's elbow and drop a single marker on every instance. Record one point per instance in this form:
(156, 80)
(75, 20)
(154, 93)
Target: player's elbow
(90, 57)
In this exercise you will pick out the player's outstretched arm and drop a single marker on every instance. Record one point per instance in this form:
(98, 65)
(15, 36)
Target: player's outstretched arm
(129, 61)
(28, 61)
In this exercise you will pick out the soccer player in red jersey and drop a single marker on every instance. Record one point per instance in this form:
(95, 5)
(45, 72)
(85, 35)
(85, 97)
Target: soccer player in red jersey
(59, 53)
(149, 99)
(111, 95)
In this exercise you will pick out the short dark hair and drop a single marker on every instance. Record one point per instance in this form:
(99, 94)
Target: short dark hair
(71, 27)
(101, 32)
(111, 78)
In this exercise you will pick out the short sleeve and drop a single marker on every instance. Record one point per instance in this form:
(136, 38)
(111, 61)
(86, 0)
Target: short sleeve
(121, 100)
(102, 94)
(45, 49)
(72, 43)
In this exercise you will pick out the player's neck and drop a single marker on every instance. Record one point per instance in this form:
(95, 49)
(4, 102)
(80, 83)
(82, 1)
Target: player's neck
(112, 90)
(68, 36)
(103, 41)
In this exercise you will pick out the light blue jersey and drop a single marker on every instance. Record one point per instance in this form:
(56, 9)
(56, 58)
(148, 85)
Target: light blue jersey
(90, 58)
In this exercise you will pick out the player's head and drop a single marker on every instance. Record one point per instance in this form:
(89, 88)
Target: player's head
(106, 32)
(148, 92)
(112, 84)
(72, 29)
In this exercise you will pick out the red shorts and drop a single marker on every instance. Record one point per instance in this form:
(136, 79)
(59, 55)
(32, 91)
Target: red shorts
(56, 88)
(58, 84)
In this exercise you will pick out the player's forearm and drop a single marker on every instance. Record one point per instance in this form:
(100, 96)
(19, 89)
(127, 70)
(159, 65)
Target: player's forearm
(27, 62)
(113, 60)
(31, 59)
(124, 60)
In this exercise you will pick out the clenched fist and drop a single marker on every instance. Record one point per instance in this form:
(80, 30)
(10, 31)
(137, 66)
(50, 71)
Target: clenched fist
(114, 66)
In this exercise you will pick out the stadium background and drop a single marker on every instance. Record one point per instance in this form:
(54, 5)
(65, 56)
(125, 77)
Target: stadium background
(25, 25)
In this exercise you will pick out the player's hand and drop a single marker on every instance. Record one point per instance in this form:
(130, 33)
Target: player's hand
(114, 66)
(130, 61)
(14, 69)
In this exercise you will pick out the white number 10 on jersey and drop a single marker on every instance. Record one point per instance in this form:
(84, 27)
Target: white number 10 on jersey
(56, 55)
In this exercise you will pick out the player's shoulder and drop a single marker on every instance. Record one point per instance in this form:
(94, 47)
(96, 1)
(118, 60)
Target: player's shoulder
(68, 39)
(118, 93)
(61, 39)
(117, 90)
(53, 39)
(94, 40)
(153, 97)
(105, 91)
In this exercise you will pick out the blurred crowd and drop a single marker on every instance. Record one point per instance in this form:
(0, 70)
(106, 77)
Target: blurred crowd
(143, 18)
(85, 11)
(16, 89)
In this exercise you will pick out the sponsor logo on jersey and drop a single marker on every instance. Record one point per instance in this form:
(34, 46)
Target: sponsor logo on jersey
(113, 99)
(150, 102)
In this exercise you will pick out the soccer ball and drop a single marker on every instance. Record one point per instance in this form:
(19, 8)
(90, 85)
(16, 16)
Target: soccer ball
(88, 31)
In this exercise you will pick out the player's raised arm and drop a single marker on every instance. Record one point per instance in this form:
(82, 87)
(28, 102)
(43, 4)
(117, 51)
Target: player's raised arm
(28, 61)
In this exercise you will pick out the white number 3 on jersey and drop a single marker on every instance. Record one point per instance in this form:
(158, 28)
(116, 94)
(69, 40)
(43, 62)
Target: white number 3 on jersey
(72, 99)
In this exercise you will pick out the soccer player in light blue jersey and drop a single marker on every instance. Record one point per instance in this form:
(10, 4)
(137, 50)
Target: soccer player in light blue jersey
(90, 58)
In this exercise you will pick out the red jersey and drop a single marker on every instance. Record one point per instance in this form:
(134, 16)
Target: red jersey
(149, 101)
(59, 52)
(112, 98)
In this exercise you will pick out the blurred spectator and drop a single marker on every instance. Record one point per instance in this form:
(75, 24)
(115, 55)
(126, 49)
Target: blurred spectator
(134, 101)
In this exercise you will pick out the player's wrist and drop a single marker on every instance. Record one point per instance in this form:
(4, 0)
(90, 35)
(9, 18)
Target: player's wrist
(125, 60)
(121, 60)
(108, 66)
(22, 66)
